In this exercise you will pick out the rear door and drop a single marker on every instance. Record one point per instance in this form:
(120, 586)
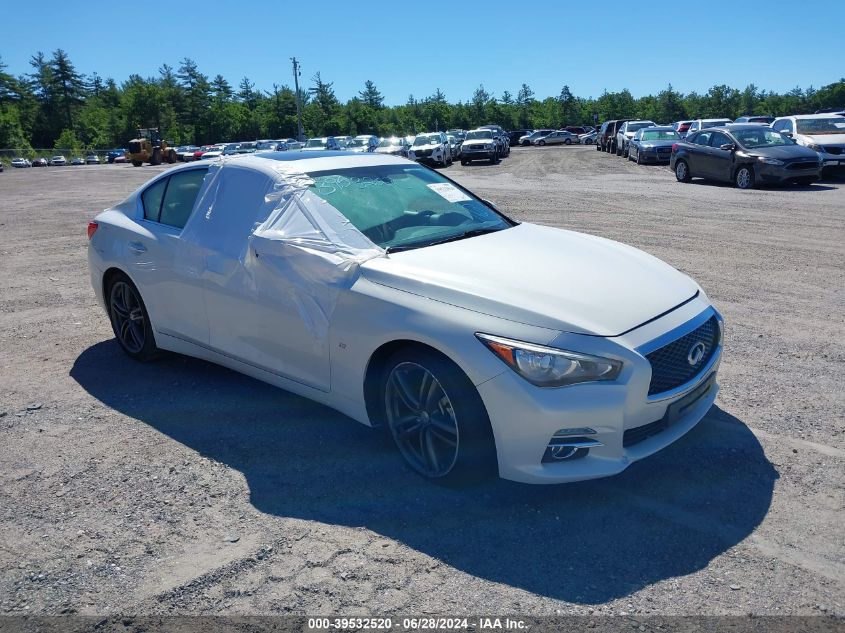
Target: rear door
(698, 150)
(720, 161)
(162, 264)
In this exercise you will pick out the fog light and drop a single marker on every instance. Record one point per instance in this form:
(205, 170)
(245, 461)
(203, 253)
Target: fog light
(564, 446)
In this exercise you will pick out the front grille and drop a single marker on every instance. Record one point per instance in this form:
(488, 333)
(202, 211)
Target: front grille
(836, 151)
(670, 366)
(637, 435)
(804, 164)
(135, 147)
(475, 148)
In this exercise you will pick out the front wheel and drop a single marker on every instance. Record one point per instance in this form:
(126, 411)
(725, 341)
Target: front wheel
(137, 163)
(130, 320)
(437, 418)
(463, 162)
(568, 141)
(682, 171)
(744, 177)
(541, 142)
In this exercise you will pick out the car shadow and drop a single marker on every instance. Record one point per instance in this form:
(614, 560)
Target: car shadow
(816, 186)
(588, 543)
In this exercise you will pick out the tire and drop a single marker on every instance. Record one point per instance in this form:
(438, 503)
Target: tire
(155, 159)
(744, 177)
(568, 141)
(494, 159)
(137, 163)
(436, 418)
(129, 319)
(598, 146)
(618, 150)
(541, 142)
(463, 162)
(639, 157)
(171, 156)
(626, 149)
(682, 171)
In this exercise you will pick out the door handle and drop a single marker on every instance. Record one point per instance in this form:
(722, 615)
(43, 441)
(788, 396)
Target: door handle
(137, 248)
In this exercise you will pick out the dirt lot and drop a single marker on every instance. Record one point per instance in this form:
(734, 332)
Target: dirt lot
(181, 487)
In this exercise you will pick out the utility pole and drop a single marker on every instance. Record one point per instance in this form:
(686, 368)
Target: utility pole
(300, 132)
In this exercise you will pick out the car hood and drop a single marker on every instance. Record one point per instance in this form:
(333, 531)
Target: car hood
(823, 139)
(552, 278)
(784, 152)
(429, 146)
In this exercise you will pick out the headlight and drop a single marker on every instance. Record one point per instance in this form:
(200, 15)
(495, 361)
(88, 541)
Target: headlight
(490, 146)
(769, 161)
(815, 147)
(550, 367)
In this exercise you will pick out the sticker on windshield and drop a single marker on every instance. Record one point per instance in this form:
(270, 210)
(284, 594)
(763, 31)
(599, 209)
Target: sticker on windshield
(449, 191)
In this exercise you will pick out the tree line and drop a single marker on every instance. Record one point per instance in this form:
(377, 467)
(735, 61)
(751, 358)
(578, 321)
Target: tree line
(55, 105)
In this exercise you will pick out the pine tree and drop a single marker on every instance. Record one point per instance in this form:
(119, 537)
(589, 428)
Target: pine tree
(371, 96)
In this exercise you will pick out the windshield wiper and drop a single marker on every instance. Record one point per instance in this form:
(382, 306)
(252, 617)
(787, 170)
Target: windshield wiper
(452, 238)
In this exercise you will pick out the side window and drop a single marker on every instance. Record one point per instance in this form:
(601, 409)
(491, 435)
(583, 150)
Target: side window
(718, 139)
(151, 199)
(180, 197)
(703, 138)
(788, 125)
(777, 126)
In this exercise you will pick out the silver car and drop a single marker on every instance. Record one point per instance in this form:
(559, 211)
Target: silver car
(558, 137)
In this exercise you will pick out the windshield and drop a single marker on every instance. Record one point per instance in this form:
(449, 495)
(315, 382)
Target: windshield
(404, 206)
(426, 140)
(659, 135)
(389, 142)
(357, 142)
(316, 142)
(761, 137)
(478, 134)
(633, 127)
(833, 125)
(266, 145)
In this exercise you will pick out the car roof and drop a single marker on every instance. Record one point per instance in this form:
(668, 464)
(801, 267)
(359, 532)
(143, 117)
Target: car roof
(825, 115)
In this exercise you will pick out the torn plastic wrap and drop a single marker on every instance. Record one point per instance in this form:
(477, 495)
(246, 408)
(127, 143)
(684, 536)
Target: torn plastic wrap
(282, 240)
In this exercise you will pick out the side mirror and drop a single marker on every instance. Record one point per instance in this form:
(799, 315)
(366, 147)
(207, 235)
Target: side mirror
(728, 147)
(786, 133)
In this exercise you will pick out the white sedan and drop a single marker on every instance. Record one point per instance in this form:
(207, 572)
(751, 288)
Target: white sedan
(383, 289)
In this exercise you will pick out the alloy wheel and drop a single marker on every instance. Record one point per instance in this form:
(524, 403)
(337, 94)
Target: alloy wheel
(127, 316)
(421, 419)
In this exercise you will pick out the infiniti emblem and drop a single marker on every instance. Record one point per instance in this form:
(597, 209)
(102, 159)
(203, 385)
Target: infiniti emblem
(696, 353)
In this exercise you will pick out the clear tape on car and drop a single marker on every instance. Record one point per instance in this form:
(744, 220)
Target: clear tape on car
(298, 247)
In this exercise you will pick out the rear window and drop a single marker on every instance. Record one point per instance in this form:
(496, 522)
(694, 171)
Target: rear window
(171, 200)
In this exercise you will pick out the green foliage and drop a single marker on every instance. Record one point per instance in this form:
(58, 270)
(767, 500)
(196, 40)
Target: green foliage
(55, 105)
(68, 141)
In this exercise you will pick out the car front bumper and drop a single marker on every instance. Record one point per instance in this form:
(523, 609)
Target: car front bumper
(525, 418)
(478, 154)
(780, 173)
(652, 156)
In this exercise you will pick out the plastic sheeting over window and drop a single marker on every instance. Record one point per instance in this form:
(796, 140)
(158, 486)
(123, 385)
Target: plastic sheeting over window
(280, 238)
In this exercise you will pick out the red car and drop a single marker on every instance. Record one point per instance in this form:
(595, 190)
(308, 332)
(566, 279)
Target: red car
(202, 150)
(40, 162)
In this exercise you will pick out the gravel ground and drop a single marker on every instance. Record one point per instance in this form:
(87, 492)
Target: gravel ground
(181, 487)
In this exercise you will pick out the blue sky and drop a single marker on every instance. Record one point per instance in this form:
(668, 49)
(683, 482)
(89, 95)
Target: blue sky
(415, 48)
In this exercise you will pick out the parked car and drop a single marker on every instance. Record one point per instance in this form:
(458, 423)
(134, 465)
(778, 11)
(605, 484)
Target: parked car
(77, 160)
(501, 137)
(40, 162)
(681, 127)
(558, 137)
(342, 141)
(458, 133)
(750, 118)
(269, 145)
(822, 133)
(92, 159)
(185, 153)
(652, 144)
(514, 136)
(703, 124)
(112, 154)
(21, 163)
(577, 130)
(321, 143)
(120, 159)
(363, 143)
(455, 145)
(745, 155)
(431, 147)
(626, 133)
(419, 308)
(529, 139)
(606, 140)
(479, 144)
(202, 150)
(589, 138)
(215, 151)
(394, 146)
(58, 161)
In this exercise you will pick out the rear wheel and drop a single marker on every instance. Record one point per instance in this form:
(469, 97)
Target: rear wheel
(744, 177)
(568, 141)
(541, 142)
(437, 418)
(155, 159)
(464, 162)
(137, 163)
(129, 319)
(682, 171)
